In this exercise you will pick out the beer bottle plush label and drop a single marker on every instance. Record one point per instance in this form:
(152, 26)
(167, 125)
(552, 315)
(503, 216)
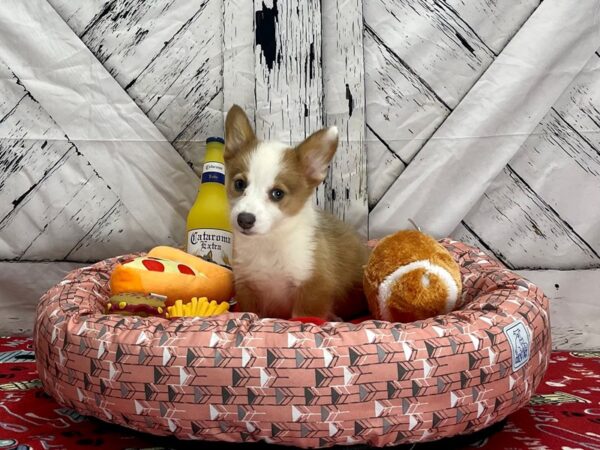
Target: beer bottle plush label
(211, 245)
(213, 172)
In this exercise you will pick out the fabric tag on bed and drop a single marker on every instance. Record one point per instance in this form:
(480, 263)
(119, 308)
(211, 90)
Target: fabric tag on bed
(519, 339)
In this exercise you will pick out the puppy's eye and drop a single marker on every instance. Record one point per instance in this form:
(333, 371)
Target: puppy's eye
(239, 185)
(277, 195)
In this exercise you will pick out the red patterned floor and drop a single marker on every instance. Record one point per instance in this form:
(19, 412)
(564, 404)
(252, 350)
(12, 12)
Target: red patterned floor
(565, 415)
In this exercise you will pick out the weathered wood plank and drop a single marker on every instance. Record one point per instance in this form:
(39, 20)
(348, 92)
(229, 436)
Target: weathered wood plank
(81, 14)
(402, 110)
(433, 41)
(515, 223)
(30, 144)
(11, 92)
(34, 154)
(344, 104)
(110, 235)
(239, 78)
(494, 22)
(126, 35)
(57, 212)
(180, 89)
(559, 163)
(579, 106)
(401, 107)
(465, 234)
(27, 163)
(127, 151)
(383, 167)
(436, 180)
(190, 143)
(289, 80)
(564, 170)
(168, 56)
(574, 306)
(33, 151)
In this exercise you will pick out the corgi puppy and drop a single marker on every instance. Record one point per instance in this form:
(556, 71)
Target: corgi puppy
(289, 259)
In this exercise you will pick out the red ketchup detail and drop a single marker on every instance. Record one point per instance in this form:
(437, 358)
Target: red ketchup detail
(153, 265)
(185, 269)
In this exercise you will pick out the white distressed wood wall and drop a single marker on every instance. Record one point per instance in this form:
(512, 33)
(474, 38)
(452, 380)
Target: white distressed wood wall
(344, 91)
(55, 205)
(541, 211)
(388, 73)
(167, 56)
(297, 66)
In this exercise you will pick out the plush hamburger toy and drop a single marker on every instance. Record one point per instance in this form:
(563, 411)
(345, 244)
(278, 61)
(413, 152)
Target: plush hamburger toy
(410, 276)
(145, 305)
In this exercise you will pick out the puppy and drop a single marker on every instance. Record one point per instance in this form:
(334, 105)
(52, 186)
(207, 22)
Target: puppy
(289, 259)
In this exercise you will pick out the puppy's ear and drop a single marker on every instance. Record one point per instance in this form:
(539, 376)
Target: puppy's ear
(316, 152)
(238, 131)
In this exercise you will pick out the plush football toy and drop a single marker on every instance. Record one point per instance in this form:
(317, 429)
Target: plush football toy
(410, 276)
(174, 275)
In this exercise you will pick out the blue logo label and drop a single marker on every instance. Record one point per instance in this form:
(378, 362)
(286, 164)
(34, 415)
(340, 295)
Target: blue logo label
(519, 340)
(213, 177)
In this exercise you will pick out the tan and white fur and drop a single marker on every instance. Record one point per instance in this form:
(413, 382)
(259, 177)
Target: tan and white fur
(289, 259)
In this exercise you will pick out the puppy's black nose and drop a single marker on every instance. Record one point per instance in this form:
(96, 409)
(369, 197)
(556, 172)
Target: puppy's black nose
(246, 220)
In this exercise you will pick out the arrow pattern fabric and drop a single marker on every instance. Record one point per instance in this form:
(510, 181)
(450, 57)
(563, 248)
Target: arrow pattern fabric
(239, 378)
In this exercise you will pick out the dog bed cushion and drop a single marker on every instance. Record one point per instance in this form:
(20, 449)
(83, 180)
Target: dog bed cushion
(239, 378)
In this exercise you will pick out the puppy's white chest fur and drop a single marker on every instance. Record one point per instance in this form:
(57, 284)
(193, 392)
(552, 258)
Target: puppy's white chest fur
(276, 264)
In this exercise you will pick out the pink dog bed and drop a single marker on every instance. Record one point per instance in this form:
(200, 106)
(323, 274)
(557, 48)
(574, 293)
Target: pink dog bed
(238, 378)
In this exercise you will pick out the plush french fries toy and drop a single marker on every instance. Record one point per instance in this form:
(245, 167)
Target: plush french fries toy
(196, 308)
(172, 274)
